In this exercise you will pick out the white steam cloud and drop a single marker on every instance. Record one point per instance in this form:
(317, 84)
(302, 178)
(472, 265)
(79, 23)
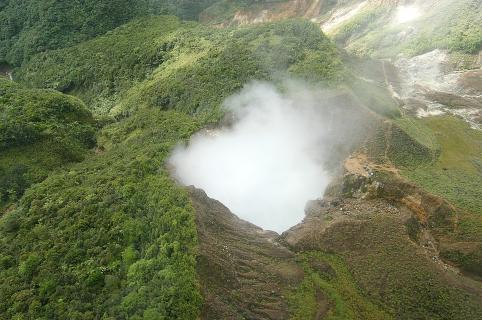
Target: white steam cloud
(269, 162)
(407, 13)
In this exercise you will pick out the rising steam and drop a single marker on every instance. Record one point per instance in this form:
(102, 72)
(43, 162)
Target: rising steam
(406, 13)
(269, 162)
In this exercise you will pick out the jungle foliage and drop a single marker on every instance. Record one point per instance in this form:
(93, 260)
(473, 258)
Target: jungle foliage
(30, 27)
(40, 130)
(113, 236)
(92, 226)
(162, 62)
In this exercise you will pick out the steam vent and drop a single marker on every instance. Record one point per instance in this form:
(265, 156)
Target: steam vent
(241, 159)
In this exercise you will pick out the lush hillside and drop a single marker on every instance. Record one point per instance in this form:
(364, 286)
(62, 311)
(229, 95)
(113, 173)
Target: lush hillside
(162, 62)
(376, 29)
(113, 236)
(29, 27)
(92, 225)
(456, 174)
(380, 28)
(40, 130)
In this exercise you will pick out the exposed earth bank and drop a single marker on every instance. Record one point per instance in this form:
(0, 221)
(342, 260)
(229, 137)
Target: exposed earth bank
(383, 229)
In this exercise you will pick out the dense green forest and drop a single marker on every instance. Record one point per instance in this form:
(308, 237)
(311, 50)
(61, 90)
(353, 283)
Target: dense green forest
(40, 131)
(113, 236)
(92, 225)
(43, 25)
(171, 64)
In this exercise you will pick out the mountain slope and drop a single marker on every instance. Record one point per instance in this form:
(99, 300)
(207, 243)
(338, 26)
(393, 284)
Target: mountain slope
(100, 230)
(30, 27)
(110, 237)
(41, 130)
(181, 65)
(113, 236)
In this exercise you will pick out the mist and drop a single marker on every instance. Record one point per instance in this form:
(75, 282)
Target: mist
(271, 159)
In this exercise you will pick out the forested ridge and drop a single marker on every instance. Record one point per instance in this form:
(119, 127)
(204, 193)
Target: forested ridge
(30, 27)
(92, 223)
(113, 236)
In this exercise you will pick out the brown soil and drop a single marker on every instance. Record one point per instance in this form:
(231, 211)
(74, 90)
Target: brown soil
(247, 273)
(244, 271)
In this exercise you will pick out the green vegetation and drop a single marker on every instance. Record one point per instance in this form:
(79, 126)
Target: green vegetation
(40, 130)
(375, 97)
(361, 22)
(164, 63)
(457, 173)
(461, 31)
(112, 237)
(329, 291)
(224, 10)
(411, 144)
(392, 270)
(36, 26)
(185, 9)
(261, 52)
(100, 70)
(30, 27)
(109, 235)
(452, 25)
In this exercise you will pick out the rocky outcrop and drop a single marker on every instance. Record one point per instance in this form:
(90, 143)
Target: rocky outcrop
(430, 210)
(432, 215)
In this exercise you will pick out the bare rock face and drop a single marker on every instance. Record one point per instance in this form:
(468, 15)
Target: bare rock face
(471, 81)
(244, 271)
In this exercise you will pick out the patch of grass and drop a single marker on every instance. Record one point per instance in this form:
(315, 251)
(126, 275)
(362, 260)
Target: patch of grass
(457, 173)
(363, 21)
(376, 98)
(410, 144)
(222, 11)
(328, 290)
(419, 132)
